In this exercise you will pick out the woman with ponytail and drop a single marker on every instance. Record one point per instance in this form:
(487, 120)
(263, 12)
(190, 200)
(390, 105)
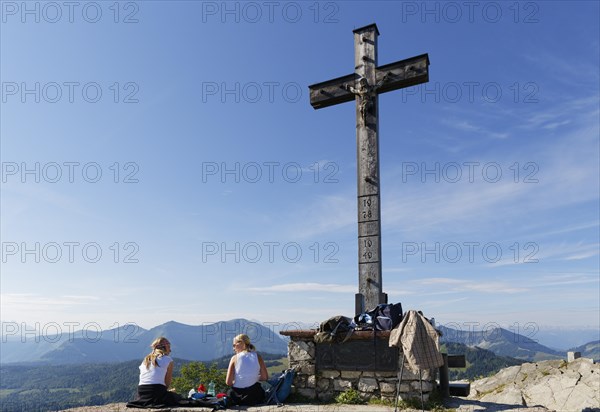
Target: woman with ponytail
(246, 369)
(156, 372)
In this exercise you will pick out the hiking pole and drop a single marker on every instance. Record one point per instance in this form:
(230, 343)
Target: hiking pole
(398, 384)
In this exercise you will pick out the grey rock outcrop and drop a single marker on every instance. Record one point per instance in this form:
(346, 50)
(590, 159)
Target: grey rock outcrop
(555, 385)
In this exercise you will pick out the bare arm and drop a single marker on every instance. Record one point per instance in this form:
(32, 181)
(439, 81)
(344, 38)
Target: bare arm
(169, 375)
(264, 375)
(230, 372)
(350, 89)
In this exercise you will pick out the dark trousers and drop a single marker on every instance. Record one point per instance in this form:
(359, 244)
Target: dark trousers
(155, 396)
(251, 395)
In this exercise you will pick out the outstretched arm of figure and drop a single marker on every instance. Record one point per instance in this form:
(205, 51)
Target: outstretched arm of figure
(350, 89)
(382, 81)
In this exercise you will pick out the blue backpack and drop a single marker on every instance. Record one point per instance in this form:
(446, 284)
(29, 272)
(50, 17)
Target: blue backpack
(281, 387)
(385, 316)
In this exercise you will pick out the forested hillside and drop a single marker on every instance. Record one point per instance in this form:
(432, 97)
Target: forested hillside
(45, 387)
(480, 362)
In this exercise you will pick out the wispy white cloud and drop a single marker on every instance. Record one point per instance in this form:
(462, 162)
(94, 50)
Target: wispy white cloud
(561, 174)
(561, 229)
(36, 302)
(555, 125)
(305, 287)
(473, 286)
(567, 112)
(443, 302)
(19, 198)
(470, 127)
(325, 215)
(569, 279)
(583, 255)
(396, 270)
(421, 209)
(568, 251)
(562, 70)
(329, 168)
(442, 281)
(81, 298)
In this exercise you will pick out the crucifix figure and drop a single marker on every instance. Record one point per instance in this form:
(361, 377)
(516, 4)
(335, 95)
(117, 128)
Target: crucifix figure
(364, 86)
(365, 94)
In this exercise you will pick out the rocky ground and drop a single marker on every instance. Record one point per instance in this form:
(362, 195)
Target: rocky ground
(555, 385)
(534, 387)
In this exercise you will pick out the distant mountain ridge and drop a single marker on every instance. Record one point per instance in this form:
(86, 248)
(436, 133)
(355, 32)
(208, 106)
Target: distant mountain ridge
(502, 342)
(203, 342)
(210, 341)
(589, 350)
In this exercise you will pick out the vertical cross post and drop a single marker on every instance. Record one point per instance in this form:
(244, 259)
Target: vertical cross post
(370, 291)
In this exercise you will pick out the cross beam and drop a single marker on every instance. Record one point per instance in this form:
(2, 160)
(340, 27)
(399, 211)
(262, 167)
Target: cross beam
(403, 73)
(364, 86)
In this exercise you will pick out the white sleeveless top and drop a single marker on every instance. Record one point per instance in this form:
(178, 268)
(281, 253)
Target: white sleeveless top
(155, 375)
(247, 369)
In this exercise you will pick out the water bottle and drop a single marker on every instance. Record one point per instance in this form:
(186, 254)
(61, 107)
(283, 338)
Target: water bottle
(211, 389)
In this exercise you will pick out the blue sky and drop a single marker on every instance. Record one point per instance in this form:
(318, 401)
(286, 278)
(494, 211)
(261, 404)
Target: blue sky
(162, 162)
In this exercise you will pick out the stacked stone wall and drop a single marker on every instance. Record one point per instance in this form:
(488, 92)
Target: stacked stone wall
(325, 385)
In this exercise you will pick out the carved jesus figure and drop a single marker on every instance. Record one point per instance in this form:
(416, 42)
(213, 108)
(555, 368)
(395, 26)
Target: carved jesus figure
(366, 94)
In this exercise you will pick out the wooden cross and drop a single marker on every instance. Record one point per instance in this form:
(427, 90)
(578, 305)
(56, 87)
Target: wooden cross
(364, 86)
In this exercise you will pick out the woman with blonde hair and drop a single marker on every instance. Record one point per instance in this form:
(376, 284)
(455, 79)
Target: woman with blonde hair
(246, 369)
(156, 373)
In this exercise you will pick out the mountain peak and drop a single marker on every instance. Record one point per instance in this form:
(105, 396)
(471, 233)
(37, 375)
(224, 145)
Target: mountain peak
(199, 343)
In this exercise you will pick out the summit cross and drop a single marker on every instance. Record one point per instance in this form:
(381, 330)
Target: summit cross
(364, 86)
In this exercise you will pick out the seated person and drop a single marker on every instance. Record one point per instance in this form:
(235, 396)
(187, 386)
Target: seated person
(156, 372)
(246, 369)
